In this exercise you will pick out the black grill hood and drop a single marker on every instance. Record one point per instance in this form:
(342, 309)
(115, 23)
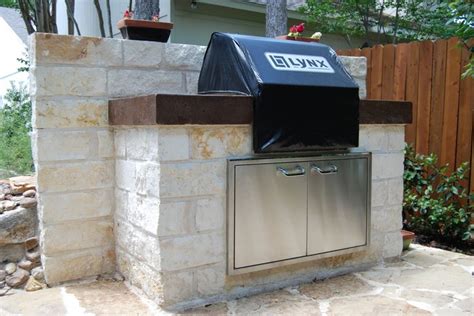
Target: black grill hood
(304, 97)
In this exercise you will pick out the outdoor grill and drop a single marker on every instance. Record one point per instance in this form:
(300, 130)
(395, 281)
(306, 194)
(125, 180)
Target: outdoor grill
(282, 76)
(295, 207)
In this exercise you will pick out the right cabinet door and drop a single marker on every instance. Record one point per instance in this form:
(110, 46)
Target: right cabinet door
(337, 204)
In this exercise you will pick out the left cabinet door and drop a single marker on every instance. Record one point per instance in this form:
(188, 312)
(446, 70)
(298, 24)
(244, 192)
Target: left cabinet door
(270, 213)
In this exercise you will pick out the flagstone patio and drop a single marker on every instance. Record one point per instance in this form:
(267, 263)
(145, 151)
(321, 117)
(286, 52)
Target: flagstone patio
(426, 281)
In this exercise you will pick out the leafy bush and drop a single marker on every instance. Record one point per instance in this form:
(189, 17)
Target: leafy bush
(436, 203)
(15, 125)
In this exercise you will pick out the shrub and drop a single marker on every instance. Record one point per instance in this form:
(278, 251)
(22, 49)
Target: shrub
(436, 203)
(15, 125)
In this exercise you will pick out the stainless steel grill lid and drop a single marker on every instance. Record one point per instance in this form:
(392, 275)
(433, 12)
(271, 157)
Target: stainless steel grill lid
(304, 97)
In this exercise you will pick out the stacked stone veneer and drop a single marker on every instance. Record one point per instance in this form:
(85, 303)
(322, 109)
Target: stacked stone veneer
(150, 201)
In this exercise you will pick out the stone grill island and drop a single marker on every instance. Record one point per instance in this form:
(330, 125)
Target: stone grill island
(131, 171)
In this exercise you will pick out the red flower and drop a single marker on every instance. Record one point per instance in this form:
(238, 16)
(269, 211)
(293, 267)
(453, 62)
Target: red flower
(300, 28)
(293, 29)
(127, 14)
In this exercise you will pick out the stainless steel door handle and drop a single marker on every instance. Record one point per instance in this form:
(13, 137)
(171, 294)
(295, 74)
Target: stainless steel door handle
(297, 171)
(331, 169)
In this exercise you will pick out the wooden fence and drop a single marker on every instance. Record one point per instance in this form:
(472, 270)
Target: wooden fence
(428, 74)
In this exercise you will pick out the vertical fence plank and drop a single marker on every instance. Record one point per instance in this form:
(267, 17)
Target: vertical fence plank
(451, 104)
(424, 96)
(437, 100)
(400, 72)
(367, 53)
(388, 68)
(466, 106)
(411, 90)
(377, 72)
(472, 155)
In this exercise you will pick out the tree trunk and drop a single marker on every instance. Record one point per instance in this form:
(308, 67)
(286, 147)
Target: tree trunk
(25, 14)
(276, 18)
(70, 5)
(145, 9)
(109, 18)
(101, 17)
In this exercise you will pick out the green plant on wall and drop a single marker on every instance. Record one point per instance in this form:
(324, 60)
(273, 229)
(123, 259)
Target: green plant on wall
(15, 125)
(436, 203)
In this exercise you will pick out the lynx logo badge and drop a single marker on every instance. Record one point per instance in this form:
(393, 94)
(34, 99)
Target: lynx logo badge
(292, 62)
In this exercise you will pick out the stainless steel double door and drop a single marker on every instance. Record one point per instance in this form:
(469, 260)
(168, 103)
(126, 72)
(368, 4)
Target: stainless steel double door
(291, 209)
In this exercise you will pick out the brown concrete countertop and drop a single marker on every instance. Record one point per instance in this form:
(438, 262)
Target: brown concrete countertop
(179, 109)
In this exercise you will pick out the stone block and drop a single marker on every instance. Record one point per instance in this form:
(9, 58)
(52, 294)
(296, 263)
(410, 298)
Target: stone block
(106, 143)
(379, 193)
(143, 211)
(210, 214)
(142, 143)
(386, 166)
(143, 53)
(356, 66)
(12, 252)
(192, 79)
(177, 287)
(120, 142)
(393, 244)
(176, 218)
(57, 145)
(62, 207)
(78, 265)
(17, 225)
(147, 178)
(139, 244)
(385, 219)
(191, 251)
(216, 142)
(184, 57)
(135, 82)
(125, 172)
(69, 81)
(396, 137)
(70, 113)
(211, 280)
(373, 138)
(77, 50)
(140, 275)
(76, 235)
(395, 191)
(192, 179)
(173, 144)
(75, 176)
(121, 203)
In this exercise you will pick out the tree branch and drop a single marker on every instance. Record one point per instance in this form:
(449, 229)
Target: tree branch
(100, 16)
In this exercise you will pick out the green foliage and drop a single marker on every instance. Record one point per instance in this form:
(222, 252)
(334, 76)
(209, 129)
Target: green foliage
(463, 23)
(25, 62)
(436, 203)
(408, 19)
(9, 3)
(15, 125)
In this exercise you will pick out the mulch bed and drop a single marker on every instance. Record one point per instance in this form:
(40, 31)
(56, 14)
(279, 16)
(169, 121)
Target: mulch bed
(466, 247)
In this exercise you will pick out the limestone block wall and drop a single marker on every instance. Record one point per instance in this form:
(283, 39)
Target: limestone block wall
(171, 212)
(72, 79)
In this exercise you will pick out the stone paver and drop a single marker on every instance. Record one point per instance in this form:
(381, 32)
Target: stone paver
(425, 281)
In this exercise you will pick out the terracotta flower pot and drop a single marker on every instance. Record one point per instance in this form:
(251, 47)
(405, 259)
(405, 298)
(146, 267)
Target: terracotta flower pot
(407, 238)
(298, 38)
(143, 30)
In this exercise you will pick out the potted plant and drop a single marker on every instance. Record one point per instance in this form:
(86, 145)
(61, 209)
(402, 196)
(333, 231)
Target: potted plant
(144, 23)
(296, 34)
(408, 237)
